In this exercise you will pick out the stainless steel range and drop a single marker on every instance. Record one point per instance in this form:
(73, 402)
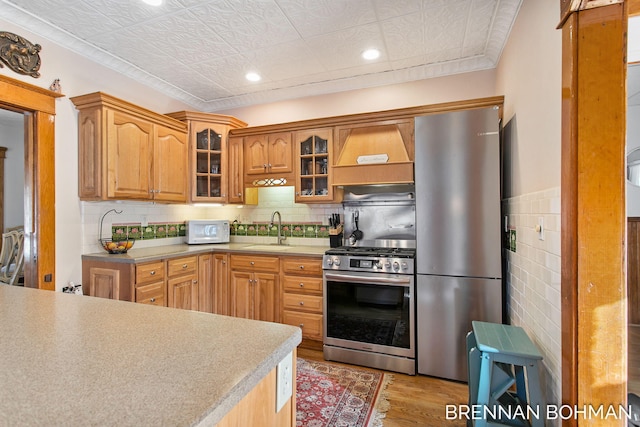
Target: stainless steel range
(369, 290)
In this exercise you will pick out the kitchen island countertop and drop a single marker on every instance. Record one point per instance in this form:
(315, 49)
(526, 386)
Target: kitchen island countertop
(77, 360)
(137, 255)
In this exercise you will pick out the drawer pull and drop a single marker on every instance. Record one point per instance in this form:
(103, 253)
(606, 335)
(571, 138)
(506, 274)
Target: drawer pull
(184, 265)
(152, 300)
(301, 302)
(152, 272)
(302, 267)
(301, 325)
(301, 285)
(252, 262)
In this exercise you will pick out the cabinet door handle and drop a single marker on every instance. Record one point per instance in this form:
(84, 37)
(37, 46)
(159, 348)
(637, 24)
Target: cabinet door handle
(239, 194)
(301, 325)
(252, 262)
(269, 165)
(152, 273)
(195, 282)
(301, 285)
(152, 300)
(264, 166)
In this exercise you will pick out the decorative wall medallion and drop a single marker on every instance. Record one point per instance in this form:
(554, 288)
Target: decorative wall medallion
(19, 54)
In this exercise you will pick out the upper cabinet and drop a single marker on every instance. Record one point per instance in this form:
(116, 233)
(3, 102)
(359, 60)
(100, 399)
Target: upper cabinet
(213, 171)
(128, 152)
(268, 156)
(313, 160)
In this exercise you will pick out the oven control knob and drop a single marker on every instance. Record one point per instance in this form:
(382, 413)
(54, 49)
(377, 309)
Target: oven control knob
(336, 261)
(396, 266)
(329, 261)
(387, 265)
(404, 265)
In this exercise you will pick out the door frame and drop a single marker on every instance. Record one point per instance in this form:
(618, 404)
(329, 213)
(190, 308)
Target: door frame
(593, 236)
(38, 107)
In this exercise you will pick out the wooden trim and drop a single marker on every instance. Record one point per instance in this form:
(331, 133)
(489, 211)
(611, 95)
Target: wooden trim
(569, 225)
(38, 106)
(633, 270)
(350, 119)
(633, 6)
(23, 96)
(593, 209)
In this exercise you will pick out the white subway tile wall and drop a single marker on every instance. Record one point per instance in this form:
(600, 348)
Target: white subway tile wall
(270, 199)
(533, 279)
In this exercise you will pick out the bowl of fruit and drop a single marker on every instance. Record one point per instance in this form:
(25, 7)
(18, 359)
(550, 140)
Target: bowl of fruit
(117, 246)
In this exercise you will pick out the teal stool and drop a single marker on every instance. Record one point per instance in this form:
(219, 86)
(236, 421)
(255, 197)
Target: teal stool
(499, 357)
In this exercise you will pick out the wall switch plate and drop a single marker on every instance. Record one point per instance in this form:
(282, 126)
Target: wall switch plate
(284, 381)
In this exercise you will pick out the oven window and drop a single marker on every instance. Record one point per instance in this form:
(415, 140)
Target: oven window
(375, 314)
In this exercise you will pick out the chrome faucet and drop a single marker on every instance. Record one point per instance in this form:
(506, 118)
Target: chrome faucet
(281, 237)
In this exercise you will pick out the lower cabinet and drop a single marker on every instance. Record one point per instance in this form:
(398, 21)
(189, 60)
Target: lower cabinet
(285, 289)
(221, 283)
(302, 295)
(182, 283)
(254, 284)
(150, 286)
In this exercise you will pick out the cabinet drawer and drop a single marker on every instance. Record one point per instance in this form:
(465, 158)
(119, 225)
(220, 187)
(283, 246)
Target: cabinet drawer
(301, 284)
(179, 266)
(153, 293)
(255, 263)
(311, 324)
(150, 272)
(303, 302)
(302, 265)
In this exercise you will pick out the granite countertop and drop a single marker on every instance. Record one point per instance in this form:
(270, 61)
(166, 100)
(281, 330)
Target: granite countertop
(136, 255)
(76, 360)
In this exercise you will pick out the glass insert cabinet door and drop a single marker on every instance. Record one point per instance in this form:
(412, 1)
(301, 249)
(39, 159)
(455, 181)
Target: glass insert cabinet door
(209, 164)
(313, 163)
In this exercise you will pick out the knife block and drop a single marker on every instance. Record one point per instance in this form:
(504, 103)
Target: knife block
(335, 237)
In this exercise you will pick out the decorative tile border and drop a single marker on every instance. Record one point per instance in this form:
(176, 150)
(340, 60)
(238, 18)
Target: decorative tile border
(161, 230)
(307, 230)
(154, 230)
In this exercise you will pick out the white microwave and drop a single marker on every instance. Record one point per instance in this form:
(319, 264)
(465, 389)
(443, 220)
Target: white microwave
(203, 231)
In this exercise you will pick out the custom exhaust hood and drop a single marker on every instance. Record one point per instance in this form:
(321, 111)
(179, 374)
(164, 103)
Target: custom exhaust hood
(380, 153)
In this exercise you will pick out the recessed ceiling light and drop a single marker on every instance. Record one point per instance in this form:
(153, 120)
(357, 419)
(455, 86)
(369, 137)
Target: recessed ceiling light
(253, 77)
(371, 54)
(153, 2)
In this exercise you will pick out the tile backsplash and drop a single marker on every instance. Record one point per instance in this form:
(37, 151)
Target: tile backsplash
(300, 221)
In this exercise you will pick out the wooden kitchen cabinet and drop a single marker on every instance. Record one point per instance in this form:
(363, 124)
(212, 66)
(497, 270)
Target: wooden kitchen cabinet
(213, 171)
(313, 160)
(150, 283)
(127, 152)
(302, 295)
(254, 284)
(182, 283)
(112, 280)
(221, 283)
(206, 297)
(268, 156)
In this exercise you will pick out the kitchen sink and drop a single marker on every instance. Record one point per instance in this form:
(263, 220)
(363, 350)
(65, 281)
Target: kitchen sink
(269, 247)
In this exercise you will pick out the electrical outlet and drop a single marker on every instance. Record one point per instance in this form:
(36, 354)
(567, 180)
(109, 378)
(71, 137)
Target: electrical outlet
(284, 381)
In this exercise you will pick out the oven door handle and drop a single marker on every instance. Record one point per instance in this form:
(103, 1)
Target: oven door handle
(361, 279)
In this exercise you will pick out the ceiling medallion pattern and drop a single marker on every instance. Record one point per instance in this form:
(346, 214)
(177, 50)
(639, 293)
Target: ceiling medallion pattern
(19, 54)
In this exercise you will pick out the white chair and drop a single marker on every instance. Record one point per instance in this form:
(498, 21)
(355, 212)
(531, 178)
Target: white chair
(12, 257)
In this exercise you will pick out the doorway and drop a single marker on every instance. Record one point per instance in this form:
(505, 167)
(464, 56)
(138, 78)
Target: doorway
(37, 106)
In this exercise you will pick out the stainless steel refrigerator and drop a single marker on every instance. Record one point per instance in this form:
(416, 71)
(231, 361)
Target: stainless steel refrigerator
(458, 238)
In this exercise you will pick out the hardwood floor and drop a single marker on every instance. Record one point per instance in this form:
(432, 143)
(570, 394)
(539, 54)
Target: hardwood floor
(633, 385)
(415, 400)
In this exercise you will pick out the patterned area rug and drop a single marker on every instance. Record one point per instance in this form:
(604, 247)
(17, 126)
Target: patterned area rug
(332, 395)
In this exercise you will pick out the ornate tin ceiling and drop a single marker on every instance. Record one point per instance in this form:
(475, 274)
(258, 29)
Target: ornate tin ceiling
(199, 51)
